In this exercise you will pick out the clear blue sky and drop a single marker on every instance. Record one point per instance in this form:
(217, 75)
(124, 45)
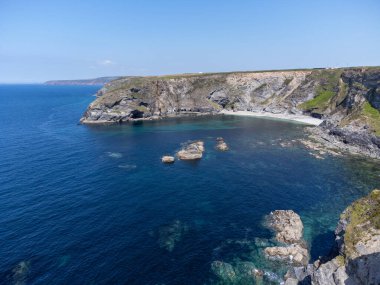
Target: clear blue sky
(72, 39)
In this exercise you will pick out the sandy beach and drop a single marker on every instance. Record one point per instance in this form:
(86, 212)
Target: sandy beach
(288, 117)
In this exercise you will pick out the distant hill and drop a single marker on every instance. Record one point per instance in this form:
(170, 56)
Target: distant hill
(94, 81)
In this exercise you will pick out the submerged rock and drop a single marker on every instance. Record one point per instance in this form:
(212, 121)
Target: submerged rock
(247, 270)
(169, 235)
(223, 270)
(192, 151)
(167, 159)
(20, 273)
(221, 144)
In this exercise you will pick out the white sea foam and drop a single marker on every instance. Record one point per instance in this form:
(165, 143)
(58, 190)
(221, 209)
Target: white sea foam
(114, 154)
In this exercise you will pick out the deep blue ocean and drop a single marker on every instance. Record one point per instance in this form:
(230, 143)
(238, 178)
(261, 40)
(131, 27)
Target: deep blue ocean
(95, 205)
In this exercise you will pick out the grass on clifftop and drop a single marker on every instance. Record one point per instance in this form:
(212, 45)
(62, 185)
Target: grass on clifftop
(373, 117)
(328, 87)
(362, 215)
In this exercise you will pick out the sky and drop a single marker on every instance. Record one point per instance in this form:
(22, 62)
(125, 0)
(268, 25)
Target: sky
(77, 39)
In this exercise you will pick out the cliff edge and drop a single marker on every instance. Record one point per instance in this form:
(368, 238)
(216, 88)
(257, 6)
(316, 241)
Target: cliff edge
(357, 256)
(347, 99)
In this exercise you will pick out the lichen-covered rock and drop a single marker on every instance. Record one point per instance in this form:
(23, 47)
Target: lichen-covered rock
(192, 151)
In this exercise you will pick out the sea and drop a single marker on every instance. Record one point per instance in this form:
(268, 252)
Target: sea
(95, 205)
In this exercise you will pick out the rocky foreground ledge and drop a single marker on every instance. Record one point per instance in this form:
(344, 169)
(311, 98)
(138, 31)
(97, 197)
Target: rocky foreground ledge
(346, 99)
(356, 259)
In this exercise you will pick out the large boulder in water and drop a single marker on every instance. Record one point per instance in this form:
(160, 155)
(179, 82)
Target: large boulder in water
(287, 225)
(289, 231)
(192, 151)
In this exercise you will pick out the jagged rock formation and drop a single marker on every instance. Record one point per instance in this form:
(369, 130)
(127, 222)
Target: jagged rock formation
(192, 151)
(347, 99)
(221, 144)
(357, 258)
(289, 231)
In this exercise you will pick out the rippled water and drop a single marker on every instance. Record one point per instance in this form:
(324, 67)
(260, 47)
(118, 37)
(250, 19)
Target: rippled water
(95, 205)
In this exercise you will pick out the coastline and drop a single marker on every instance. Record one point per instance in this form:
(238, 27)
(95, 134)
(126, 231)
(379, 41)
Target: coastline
(286, 117)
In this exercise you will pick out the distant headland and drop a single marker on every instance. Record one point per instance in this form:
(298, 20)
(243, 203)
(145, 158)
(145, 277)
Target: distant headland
(93, 81)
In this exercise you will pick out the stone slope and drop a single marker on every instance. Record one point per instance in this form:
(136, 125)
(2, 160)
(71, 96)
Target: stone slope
(347, 99)
(357, 257)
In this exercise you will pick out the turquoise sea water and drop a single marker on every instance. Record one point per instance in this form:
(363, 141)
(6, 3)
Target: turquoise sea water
(95, 205)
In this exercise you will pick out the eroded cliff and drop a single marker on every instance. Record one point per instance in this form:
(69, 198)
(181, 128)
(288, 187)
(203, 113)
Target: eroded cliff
(348, 100)
(357, 258)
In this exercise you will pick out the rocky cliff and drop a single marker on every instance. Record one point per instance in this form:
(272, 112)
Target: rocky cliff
(347, 99)
(357, 258)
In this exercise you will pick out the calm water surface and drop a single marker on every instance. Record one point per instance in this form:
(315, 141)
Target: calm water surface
(94, 205)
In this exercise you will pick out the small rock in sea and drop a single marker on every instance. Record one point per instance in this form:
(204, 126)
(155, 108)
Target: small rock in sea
(167, 159)
(221, 144)
(192, 151)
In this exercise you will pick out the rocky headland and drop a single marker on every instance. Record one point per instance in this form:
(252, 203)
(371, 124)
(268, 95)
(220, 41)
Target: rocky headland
(346, 99)
(356, 258)
(93, 81)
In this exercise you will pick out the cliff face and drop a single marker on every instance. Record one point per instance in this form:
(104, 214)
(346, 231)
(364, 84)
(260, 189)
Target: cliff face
(358, 249)
(152, 97)
(347, 99)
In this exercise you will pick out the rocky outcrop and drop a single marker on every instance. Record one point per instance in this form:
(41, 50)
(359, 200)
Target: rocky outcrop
(357, 258)
(221, 144)
(192, 151)
(348, 100)
(168, 159)
(289, 231)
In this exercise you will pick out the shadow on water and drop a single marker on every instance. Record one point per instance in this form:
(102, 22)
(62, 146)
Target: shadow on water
(322, 245)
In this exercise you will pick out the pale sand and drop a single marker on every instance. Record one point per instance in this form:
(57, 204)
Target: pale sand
(288, 117)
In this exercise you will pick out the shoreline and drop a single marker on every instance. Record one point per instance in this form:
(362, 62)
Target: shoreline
(285, 117)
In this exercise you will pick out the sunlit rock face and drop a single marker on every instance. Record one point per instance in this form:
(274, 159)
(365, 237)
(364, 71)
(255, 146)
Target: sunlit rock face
(348, 100)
